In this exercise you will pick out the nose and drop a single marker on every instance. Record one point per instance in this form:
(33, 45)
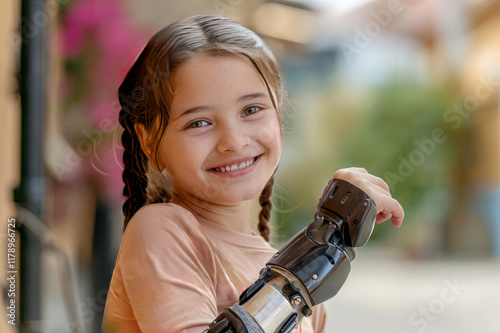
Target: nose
(232, 137)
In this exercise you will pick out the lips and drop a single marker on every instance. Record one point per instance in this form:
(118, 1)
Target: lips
(236, 165)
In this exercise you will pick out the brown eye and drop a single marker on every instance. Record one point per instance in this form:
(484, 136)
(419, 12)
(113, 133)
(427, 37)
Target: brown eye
(198, 123)
(251, 110)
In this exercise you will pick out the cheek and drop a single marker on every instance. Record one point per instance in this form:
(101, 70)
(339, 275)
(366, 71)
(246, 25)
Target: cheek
(269, 135)
(184, 156)
(266, 135)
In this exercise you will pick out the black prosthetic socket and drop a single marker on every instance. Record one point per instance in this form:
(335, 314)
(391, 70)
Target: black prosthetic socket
(309, 269)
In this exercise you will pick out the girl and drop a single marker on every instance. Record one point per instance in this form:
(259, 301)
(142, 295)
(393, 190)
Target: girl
(201, 108)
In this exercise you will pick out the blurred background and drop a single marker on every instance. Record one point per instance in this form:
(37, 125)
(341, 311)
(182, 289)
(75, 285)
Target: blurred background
(409, 90)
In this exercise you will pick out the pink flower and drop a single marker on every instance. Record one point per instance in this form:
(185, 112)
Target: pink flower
(71, 42)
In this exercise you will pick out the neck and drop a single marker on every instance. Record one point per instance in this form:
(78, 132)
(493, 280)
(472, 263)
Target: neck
(234, 216)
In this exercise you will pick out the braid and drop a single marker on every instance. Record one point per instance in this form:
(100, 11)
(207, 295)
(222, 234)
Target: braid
(265, 213)
(133, 171)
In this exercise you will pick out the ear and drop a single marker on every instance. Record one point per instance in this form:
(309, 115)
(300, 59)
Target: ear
(147, 141)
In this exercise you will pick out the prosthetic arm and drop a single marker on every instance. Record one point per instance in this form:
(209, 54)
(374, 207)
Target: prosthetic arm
(309, 269)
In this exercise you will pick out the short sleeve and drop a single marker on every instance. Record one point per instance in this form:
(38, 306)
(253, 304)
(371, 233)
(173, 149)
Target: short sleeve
(167, 271)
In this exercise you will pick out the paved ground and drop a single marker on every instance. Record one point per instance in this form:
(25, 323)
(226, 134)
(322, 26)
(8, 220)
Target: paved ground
(396, 296)
(383, 294)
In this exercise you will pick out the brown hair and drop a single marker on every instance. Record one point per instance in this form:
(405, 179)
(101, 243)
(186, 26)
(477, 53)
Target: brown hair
(146, 94)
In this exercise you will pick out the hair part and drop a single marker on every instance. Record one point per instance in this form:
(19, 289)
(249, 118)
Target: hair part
(147, 91)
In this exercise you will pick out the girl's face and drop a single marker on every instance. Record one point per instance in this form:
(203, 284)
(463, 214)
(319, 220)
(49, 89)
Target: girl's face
(223, 140)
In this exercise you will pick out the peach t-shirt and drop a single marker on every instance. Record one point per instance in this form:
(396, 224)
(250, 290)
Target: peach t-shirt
(175, 273)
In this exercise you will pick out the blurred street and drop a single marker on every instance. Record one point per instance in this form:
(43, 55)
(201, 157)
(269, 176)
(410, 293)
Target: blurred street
(383, 294)
(391, 295)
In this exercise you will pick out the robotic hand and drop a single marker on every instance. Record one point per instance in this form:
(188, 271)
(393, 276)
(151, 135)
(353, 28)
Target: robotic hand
(309, 269)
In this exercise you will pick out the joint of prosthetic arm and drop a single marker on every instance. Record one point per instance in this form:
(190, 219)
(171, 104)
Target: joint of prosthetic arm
(309, 269)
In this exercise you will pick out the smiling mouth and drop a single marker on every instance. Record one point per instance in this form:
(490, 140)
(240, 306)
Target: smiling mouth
(235, 167)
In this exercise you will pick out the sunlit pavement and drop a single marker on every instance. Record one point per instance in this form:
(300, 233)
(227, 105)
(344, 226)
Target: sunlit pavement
(384, 294)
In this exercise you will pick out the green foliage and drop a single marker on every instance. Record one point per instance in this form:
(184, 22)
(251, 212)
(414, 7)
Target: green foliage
(377, 130)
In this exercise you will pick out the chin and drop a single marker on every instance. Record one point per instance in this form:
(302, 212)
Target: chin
(234, 199)
(237, 196)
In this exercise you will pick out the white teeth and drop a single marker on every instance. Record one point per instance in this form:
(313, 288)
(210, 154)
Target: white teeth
(235, 166)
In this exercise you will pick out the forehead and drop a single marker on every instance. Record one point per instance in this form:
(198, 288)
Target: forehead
(214, 79)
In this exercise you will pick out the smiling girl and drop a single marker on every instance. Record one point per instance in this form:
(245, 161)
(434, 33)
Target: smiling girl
(201, 109)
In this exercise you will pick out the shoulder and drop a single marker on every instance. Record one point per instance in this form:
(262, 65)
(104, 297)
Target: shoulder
(164, 258)
(163, 213)
(163, 226)
(162, 217)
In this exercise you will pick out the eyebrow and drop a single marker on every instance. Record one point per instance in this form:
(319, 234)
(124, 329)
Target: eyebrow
(251, 96)
(240, 99)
